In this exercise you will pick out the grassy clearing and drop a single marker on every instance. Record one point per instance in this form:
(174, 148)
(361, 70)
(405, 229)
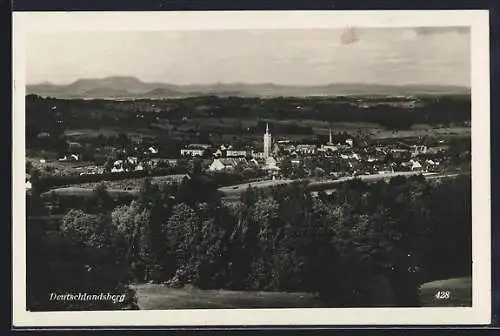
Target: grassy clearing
(87, 192)
(421, 132)
(131, 183)
(159, 297)
(460, 293)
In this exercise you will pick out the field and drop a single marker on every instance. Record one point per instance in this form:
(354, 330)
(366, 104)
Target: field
(422, 131)
(135, 134)
(87, 192)
(460, 290)
(232, 127)
(159, 297)
(51, 165)
(131, 183)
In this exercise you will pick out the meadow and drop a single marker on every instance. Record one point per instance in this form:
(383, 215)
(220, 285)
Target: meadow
(162, 297)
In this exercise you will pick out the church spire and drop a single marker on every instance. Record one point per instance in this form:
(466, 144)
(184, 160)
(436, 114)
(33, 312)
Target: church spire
(330, 138)
(267, 128)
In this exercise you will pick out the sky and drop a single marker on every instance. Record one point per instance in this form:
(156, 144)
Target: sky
(389, 56)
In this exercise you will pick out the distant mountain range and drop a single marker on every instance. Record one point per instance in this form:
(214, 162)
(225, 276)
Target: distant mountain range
(133, 88)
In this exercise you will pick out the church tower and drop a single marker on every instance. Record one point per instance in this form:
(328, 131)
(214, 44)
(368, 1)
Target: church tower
(267, 142)
(330, 138)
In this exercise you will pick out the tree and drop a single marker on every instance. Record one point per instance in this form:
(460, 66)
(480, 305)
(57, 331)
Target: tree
(265, 215)
(195, 167)
(84, 252)
(29, 166)
(35, 205)
(182, 165)
(318, 172)
(182, 230)
(299, 172)
(286, 167)
(100, 201)
(108, 165)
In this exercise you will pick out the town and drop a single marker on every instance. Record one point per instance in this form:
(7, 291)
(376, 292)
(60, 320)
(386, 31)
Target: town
(341, 155)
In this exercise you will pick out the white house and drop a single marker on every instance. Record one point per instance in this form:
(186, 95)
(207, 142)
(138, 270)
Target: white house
(132, 160)
(258, 155)
(329, 148)
(432, 163)
(236, 153)
(306, 149)
(195, 149)
(417, 150)
(117, 167)
(271, 164)
(28, 182)
(225, 164)
(192, 151)
(415, 165)
(117, 170)
(153, 150)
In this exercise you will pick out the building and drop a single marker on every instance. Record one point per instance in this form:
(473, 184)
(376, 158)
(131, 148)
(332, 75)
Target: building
(288, 148)
(117, 167)
(192, 152)
(415, 165)
(258, 155)
(153, 150)
(27, 182)
(271, 164)
(305, 149)
(417, 150)
(329, 146)
(267, 142)
(225, 164)
(236, 153)
(330, 138)
(195, 150)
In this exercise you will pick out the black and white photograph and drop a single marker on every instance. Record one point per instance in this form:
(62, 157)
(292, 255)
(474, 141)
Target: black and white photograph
(235, 167)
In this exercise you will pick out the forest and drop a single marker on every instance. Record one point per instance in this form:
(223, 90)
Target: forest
(364, 245)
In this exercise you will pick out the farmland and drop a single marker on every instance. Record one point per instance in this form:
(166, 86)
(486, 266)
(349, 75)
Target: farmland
(175, 122)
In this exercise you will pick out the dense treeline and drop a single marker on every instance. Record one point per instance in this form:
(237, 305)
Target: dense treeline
(364, 245)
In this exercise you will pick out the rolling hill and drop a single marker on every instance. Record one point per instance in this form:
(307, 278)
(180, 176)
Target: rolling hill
(131, 87)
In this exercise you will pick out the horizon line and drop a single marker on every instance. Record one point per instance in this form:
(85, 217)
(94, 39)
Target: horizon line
(48, 82)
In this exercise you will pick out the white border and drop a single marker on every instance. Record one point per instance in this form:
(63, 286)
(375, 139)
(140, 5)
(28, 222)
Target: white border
(480, 313)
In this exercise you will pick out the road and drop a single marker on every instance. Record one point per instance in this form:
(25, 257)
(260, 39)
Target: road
(239, 188)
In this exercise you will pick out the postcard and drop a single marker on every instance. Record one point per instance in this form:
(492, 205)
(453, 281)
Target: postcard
(265, 168)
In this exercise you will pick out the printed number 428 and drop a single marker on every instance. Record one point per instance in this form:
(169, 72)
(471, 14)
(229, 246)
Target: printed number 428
(442, 295)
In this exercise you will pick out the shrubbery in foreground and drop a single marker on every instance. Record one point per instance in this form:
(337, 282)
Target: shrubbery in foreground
(364, 245)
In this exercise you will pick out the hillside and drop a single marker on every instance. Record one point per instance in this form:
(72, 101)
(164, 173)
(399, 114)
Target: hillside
(131, 87)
